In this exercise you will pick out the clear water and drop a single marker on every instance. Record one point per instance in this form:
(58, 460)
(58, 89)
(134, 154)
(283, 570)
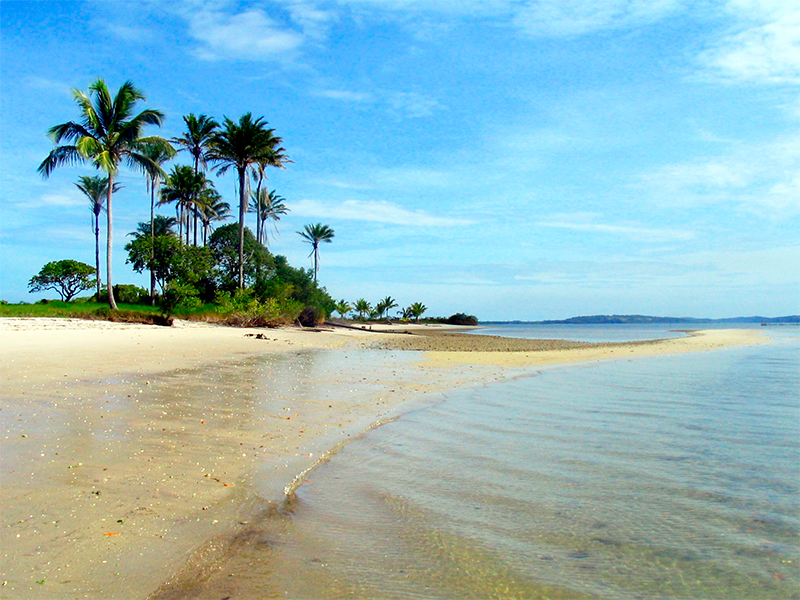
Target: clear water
(672, 477)
(668, 477)
(602, 333)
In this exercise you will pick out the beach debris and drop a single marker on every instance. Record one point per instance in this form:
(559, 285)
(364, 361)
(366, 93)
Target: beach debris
(228, 484)
(111, 534)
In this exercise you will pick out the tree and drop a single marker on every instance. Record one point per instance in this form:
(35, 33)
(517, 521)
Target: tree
(416, 310)
(107, 135)
(159, 154)
(343, 307)
(199, 132)
(258, 264)
(182, 187)
(211, 207)
(169, 259)
(362, 307)
(240, 145)
(314, 235)
(385, 305)
(67, 277)
(95, 188)
(275, 158)
(268, 206)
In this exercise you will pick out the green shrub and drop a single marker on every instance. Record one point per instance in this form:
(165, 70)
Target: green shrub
(462, 319)
(130, 294)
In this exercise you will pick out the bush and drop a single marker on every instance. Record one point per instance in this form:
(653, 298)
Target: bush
(462, 319)
(179, 296)
(126, 293)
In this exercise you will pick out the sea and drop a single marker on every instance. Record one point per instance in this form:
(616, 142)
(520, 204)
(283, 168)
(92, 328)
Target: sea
(667, 477)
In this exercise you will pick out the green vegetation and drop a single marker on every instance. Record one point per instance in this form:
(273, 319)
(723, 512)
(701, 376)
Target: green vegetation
(107, 135)
(66, 277)
(315, 235)
(197, 269)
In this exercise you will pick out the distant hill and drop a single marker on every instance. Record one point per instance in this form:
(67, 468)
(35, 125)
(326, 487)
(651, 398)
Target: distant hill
(643, 319)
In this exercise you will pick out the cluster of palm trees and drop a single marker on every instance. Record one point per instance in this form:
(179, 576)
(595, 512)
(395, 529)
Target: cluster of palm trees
(110, 134)
(381, 310)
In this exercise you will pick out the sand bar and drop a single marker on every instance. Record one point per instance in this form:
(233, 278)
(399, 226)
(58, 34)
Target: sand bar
(129, 451)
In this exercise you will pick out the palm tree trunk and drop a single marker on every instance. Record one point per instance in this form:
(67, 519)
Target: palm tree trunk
(111, 302)
(242, 198)
(152, 241)
(97, 252)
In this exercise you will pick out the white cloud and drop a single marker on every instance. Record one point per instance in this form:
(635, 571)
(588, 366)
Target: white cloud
(580, 222)
(60, 199)
(556, 18)
(756, 177)
(314, 21)
(345, 96)
(763, 46)
(248, 35)
(413, 104)
(374, 212)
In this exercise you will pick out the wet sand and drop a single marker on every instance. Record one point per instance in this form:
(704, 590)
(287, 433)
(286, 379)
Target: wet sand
(132, 456)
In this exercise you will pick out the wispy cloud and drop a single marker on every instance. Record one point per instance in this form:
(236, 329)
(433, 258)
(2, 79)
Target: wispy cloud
(248, 35)
(762, 47)
(559, 18)
(346, 96)
(413, 104)
(374, 212)
(757, 177)
(580, 222)
(57, 199)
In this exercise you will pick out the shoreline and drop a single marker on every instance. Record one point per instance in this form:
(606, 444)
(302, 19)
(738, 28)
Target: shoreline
(132, 453)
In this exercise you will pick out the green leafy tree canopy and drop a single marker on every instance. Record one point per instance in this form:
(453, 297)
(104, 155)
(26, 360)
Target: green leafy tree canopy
(67, 277)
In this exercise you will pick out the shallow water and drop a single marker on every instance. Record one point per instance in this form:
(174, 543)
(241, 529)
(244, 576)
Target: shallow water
(671, 477)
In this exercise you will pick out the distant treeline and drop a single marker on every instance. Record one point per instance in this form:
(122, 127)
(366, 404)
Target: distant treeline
(644, 319)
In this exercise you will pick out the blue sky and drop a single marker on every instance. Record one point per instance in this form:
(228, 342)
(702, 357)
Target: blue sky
(512, 159)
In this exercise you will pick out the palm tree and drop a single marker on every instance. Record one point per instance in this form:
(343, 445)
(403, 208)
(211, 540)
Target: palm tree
(107, 135)
(362, 307)
(314, 235)
(268, 206)
(240, 145)
(160, 225)
(159, 154)
(199, 132)
(275, 158)
(343, 307)
(182, 187)
(211, 207)
(384, 306)
(95, 188)
(416, 310)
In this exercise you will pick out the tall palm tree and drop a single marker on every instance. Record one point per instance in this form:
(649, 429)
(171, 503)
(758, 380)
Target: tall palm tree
(95, 188)
(108, 134)
(159, 154)
(315, 235)
(199, 132)
(211, 207)
(182, 186)
(276, 157)
(268, 206)
(240, 145)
